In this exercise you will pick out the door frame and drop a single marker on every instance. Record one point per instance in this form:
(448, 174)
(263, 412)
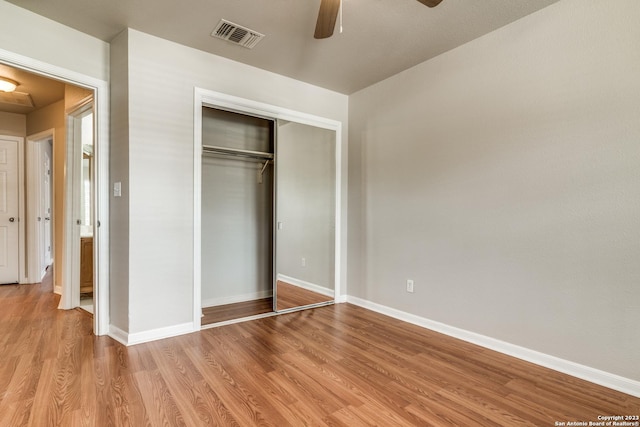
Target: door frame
(209, 98)
(74, 117)
(33, 183)
(100, 90)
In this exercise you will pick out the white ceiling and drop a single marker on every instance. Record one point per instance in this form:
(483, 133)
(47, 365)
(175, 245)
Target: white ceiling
(380, 37)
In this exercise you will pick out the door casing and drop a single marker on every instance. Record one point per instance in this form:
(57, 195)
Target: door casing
(74, 184)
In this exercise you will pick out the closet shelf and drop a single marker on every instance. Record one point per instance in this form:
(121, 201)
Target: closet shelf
(236, 152)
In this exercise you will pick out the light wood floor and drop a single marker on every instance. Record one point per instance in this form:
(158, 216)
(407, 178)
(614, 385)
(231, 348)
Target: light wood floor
(289, 296)
(338, 365)
(238, 310)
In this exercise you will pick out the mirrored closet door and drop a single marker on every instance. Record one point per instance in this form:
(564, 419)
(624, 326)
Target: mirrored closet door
(305, 216)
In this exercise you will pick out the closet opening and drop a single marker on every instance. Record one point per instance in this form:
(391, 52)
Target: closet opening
(237, 215)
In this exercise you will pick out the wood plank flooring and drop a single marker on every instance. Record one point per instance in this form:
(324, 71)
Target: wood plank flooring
(238, 310)
(292, 296)
(289, 296)
(338, 365)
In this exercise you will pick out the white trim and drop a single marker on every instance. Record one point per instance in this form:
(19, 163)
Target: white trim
(214, 302)
(154, 334)
(204, 97)
(197, 209)
(22, 215)
(70, 296)
(261, 109)
(337, 242)
(101, 237)
(101, 208)
(33, 185)
(118, 334)
(307, 285)
(587, 373)
(73, 120)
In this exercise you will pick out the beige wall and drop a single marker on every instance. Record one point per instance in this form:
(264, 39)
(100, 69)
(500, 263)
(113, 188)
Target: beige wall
(13, 124)
(503, 178)
(52, 117)
(74, 95)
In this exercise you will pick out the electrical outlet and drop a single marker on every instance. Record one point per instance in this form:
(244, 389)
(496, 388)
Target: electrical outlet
(303, 262)
(410, 285)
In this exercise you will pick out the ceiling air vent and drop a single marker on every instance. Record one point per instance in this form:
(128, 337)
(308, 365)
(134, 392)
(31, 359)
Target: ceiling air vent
(236, 34)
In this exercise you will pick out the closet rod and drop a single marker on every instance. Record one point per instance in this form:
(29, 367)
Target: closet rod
(236, 152)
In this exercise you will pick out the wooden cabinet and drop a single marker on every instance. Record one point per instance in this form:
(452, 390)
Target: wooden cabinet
(86, 265)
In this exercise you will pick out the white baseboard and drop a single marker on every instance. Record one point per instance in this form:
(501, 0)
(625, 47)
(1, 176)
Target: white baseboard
(128, 339)
(587, 373)
(307, 285)
(118, 334)
(212, 302)
(341, 299)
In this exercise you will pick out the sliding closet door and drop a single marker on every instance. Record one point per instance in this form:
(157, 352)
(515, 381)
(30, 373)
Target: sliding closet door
(305, 215)
(237, 210)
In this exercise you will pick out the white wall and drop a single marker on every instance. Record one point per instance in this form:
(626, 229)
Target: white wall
(34, 36)
(503, 177)
(161, 80)
(119, 172)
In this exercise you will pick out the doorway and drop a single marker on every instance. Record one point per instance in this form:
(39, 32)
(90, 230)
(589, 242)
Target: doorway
(66, 224)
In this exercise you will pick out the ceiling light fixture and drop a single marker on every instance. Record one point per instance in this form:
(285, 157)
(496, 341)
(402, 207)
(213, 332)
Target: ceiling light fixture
(7, 85)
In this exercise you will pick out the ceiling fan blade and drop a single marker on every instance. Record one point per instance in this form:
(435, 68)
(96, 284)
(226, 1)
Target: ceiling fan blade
(327, 18)
(430, 3)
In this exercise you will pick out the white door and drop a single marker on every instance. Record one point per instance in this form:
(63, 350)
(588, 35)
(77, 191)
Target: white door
(46, 205)
(8, 210)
